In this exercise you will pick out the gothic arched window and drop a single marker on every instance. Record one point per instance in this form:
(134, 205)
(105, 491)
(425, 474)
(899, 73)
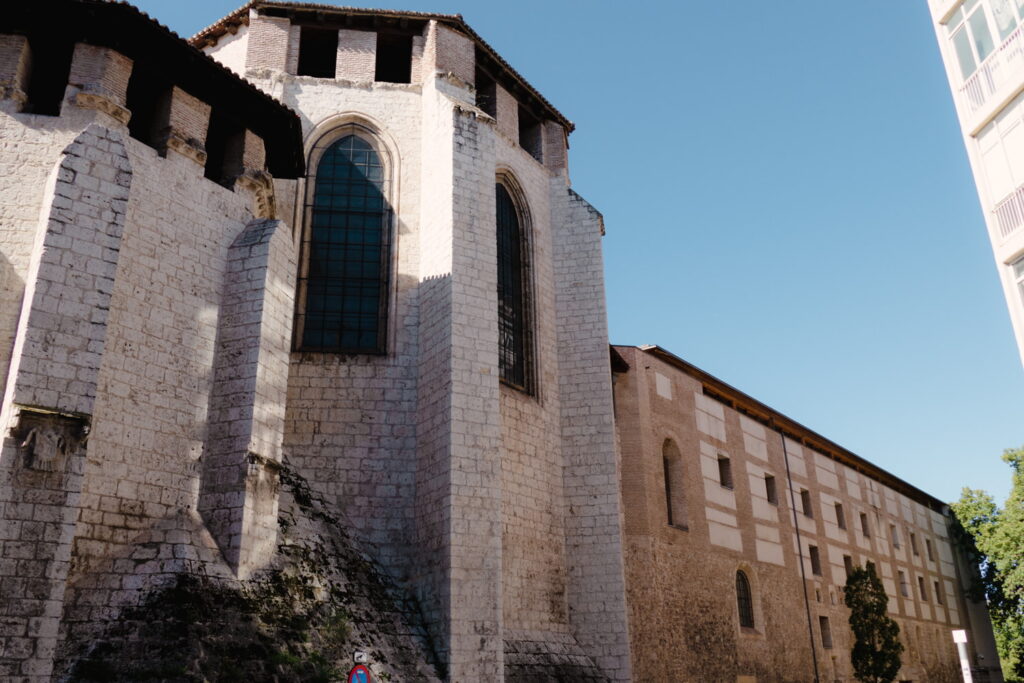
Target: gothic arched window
(744, 600)
(513, 315)
(346, 253)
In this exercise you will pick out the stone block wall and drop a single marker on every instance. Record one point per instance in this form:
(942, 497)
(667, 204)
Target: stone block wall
(591, 471)
(51, 390)
(238, 498)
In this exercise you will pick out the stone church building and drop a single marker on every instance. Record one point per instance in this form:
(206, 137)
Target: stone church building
(319, 273)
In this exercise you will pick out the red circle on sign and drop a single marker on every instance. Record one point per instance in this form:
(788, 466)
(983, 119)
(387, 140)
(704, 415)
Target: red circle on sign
(359, 674)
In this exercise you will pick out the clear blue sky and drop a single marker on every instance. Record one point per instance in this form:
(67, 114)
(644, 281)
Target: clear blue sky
(788, 205)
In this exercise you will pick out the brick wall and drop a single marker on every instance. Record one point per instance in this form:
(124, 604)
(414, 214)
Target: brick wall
(681, 581)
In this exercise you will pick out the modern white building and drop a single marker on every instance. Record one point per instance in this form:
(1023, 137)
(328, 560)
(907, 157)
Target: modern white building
(983, 49)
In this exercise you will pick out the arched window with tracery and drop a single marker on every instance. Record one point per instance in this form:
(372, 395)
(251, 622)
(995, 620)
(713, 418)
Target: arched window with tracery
(675, 501)
(345, 271)
(744, 600)
(514, 360)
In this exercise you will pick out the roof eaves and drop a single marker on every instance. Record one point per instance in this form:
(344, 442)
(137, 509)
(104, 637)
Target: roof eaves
(783, 424)
(219, 28)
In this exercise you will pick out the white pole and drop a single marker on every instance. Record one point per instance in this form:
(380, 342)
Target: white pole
(960, 638)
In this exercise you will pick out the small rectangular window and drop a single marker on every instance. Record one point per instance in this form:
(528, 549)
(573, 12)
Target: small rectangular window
(826, 632)
(48, 76)
(938, 593)
(486, 93)
(864, 528)
(904, 588)
(805, 503)
(913, 543)
(225, 143)
(848, 564)
(815, 559)
(318, 52)
(894, 536)
(724, 472)
(394, 58)
(840, 517)
(530, 136)
(929, 549)
(769, 489)
(921, 589)
(148, 98)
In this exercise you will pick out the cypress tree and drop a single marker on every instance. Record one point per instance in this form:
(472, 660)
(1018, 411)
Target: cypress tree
(877, 647)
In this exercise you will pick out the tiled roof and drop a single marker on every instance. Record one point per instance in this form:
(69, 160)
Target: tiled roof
(211, 33)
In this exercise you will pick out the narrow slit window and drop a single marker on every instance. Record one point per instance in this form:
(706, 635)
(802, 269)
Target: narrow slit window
(848, 565)
(48, 77)
(486, 93)
(921, 589)
(929, 549)
(513, 321)
(530, 136)
(815, 556)
(938, 593)
(394, 58)
(744, 600)
(904, 586)
(318, 52)
(894, 536)
(826, 632)
(864, 528)
(346, 273)
(913, 543)
(840, 516)
(148, 98)
(724, 472)
(770, 492)
(805, 503)
(225, 142)
(675, 502)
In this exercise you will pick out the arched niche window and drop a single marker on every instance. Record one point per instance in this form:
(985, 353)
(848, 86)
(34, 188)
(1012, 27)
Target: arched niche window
(744, 600)
(514, 340)
(675, 501)
(345, 271)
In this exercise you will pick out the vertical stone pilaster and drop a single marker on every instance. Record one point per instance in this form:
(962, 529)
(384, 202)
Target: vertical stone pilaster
(188, 119)
(15, 65)
(357, 55)
(51, 389)
(269, 42)
(597, 603)
(459, 476)
(99, 80)
(238, 497)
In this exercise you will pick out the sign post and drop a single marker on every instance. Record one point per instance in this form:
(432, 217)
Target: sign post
(960, 638)
(359, 674)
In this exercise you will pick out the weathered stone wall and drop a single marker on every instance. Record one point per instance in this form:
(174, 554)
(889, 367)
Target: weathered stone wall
(681, 578)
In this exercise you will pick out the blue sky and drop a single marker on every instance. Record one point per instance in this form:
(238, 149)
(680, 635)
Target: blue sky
(788, 206)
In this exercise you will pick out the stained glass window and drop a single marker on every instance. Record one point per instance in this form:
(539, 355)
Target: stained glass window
(512, 315)
(344, 281)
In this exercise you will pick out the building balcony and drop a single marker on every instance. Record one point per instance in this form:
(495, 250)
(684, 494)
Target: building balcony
(1004, 69)
(1009, 213)
(942, 8)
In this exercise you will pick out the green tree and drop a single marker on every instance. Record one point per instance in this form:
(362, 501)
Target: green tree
(877, 647)
(994, 539)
